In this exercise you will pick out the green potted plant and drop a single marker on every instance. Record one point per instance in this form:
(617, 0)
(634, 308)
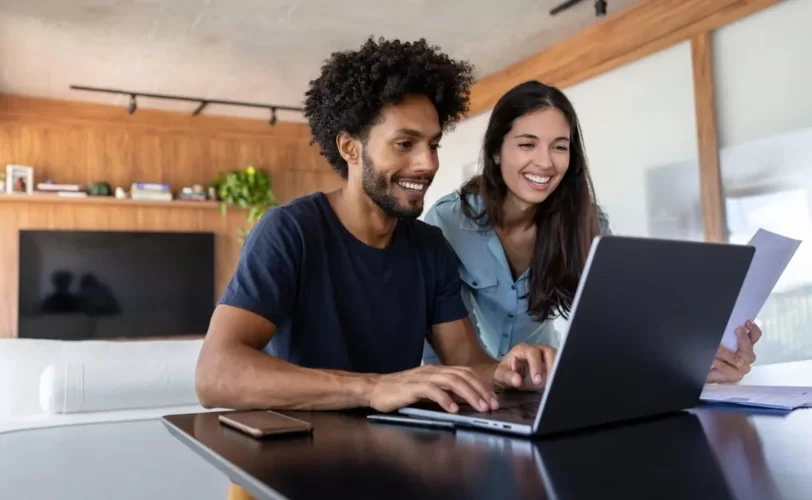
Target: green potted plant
(248, 189)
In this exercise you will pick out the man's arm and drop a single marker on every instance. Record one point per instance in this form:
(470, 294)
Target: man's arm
(233, 372)
(456, 344)
(525, 366)
(452, 335)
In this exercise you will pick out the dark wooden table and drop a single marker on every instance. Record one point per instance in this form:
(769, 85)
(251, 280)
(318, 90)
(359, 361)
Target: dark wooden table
(709, 452)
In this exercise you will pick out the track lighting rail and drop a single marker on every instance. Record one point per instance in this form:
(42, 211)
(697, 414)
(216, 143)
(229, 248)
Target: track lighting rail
(202, 102)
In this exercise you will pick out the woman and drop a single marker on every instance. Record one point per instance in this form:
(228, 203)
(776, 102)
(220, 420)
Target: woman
(523, 228)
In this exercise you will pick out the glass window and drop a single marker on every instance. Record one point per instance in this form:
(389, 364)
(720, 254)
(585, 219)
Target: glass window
(762, 74)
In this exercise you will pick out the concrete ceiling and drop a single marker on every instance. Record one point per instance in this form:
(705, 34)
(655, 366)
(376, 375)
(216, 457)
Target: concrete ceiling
(249, 50)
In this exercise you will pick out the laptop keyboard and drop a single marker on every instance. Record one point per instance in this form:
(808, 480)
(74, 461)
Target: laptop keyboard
(518, 407)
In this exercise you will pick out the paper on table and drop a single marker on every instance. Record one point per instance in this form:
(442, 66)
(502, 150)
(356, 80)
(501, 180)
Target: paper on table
(782, 398)
(773, 253)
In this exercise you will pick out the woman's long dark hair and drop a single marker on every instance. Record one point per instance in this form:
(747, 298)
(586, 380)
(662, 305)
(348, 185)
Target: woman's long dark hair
(566, 222)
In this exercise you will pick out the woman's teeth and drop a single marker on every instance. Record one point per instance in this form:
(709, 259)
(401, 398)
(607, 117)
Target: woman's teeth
(537, 179)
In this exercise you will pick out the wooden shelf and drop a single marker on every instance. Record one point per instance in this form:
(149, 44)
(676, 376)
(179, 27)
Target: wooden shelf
(107, 200)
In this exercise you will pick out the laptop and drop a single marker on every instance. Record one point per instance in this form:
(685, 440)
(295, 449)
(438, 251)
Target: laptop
(645, 325)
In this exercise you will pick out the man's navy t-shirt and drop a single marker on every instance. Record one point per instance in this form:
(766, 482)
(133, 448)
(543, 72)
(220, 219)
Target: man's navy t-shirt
(338, 303)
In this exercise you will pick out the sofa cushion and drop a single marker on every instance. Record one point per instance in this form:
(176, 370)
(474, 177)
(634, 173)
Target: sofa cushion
(23, 361)
(91, 386)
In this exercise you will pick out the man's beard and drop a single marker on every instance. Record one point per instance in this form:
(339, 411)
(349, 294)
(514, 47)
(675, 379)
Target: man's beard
(379, 190)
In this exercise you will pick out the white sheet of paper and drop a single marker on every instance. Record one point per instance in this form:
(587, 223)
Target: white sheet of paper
(787, 398)
(773, 253)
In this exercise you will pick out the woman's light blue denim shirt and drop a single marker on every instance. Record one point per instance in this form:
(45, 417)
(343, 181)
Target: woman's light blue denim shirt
(497, 305)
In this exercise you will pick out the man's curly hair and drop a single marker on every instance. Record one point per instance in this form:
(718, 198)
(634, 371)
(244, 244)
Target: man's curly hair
(355, 85)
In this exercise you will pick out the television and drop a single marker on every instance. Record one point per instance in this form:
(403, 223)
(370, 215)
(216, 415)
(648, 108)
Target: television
(84, 285)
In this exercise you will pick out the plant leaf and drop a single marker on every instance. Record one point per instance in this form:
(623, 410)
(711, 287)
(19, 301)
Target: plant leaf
(250, 189)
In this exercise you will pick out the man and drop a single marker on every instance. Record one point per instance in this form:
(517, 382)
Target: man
(335, 293)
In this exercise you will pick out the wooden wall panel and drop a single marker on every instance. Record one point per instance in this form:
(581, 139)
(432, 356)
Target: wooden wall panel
(710, 179)
(83, 143)
(79, 142)
(641, 30)
(121, 148)
(33, 110)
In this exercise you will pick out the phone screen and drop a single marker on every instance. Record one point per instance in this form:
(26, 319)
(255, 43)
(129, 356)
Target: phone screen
(265, 423)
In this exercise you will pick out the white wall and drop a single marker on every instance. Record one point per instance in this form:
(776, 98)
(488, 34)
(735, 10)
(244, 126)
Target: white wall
(763, 73)
(460, 148)
(634, 119)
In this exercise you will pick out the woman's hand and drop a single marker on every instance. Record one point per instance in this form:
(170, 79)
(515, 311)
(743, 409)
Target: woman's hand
(525, 367)
(729, 367)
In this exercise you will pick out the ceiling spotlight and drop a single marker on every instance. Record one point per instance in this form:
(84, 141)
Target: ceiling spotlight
(131, 108)
(600, 8)
(273, 116)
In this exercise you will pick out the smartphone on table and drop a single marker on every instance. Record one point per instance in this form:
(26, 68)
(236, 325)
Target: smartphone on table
(265, 423)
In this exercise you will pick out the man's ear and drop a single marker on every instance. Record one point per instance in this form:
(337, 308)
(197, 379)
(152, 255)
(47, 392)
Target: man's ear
(348, 148)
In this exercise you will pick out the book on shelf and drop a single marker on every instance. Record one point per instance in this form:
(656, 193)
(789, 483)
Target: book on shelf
(50, 187)
(150, 186)
(151, 196)
(150, 191)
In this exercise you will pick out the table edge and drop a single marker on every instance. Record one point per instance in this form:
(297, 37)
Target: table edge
(235, 474)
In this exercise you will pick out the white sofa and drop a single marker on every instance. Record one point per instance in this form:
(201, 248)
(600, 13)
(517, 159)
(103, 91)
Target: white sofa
(45, 383)
(48, 387)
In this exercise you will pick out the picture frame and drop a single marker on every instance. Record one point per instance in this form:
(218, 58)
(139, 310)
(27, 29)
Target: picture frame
(19, 179)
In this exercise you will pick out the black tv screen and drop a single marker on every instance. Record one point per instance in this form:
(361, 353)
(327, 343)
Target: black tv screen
(81, 285)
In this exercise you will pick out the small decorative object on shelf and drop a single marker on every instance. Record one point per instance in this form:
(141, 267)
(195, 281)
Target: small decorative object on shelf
(193, 193)
(100, 189)
(249, 188)
(19, 179)
(120, 193)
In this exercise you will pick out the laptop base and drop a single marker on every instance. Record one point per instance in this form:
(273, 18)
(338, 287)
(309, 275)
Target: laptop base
(516, 413)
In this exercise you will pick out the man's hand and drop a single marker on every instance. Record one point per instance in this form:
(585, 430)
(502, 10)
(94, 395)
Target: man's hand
(730, 367)
(436, 383)
(525, 367)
